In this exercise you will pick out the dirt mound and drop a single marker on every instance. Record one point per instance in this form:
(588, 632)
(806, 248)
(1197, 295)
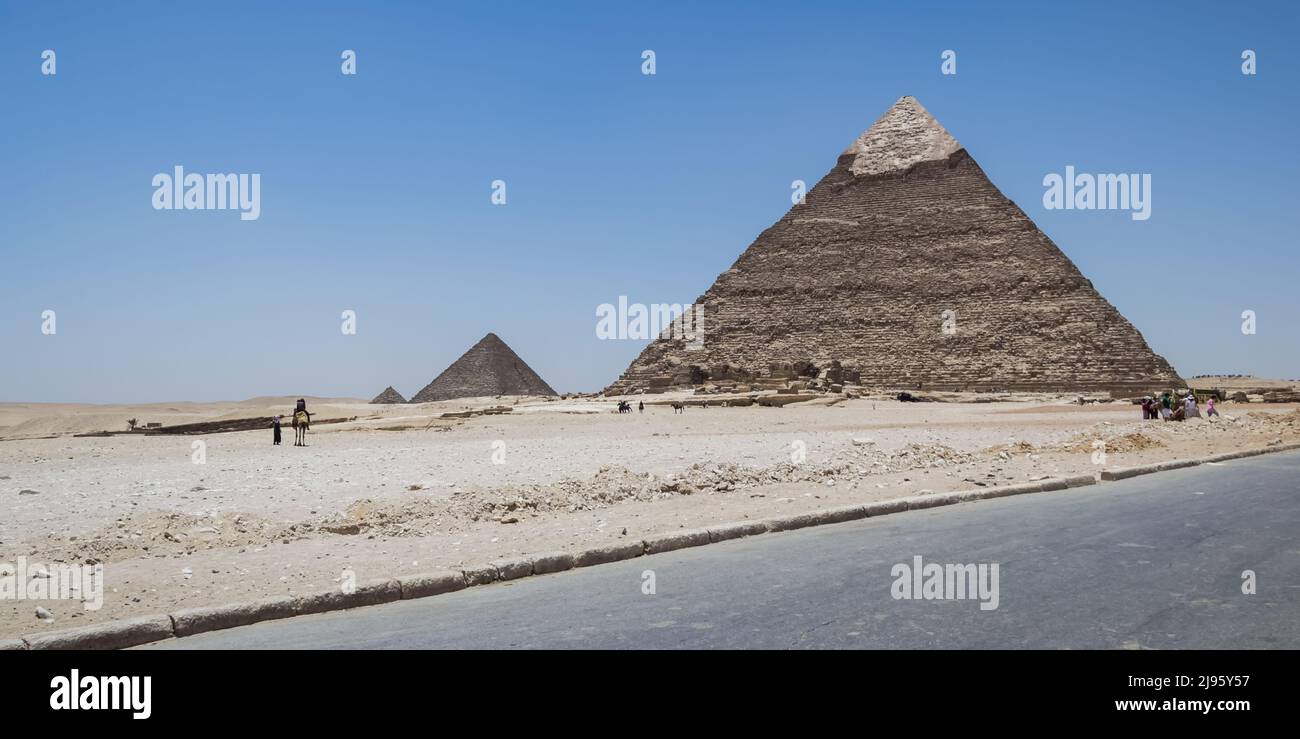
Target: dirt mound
(1116, 443)
(1019, 447)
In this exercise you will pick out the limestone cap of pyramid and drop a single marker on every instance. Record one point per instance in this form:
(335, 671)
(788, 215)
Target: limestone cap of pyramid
(905, 135)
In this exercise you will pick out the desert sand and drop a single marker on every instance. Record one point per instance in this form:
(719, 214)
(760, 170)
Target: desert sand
(401, 490)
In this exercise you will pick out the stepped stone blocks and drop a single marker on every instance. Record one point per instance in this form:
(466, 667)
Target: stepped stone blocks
(905, 227)
(488, 368)
(388, 396)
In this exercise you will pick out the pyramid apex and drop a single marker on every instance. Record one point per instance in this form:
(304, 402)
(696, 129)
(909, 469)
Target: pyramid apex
(905, 135)
(389, 395)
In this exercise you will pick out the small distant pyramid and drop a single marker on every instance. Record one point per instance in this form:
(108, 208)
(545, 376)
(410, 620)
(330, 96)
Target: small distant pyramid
(906, 267)
(488, 368)
(389, 396)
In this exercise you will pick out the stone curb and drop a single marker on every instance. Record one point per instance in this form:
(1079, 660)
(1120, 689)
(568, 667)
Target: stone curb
(605, 555)
(512, 569)
(727, 531)
(111, 635)
(676, 540)
(423, 586)
(370, 594)
(816, 518)
(545, 564)
(935, 500)
(1123, 473)
(213, 618)
(885, 507)
(481, 575)
(134, 632)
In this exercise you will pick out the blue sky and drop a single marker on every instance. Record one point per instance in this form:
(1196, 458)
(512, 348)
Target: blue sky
(376, 187)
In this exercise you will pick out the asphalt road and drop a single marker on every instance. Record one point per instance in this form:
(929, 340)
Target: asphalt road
(1151, 562)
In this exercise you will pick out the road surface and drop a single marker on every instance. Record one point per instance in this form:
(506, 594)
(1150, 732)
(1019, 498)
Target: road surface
(1151, 562)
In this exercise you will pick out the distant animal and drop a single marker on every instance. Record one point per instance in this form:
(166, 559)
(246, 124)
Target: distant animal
(624, 406)
(301, 421)
(679, 406)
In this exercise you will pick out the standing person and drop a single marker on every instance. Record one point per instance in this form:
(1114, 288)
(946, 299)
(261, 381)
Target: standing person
(1166, 406)
(640, 407)
(1209, 408)
(1190, 402)
(275, 436)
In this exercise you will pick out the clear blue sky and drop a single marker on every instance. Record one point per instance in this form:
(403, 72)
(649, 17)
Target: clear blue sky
(375, 188)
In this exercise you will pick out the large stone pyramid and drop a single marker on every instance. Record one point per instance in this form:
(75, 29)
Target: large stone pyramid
(905, 227)
(488, 368)
(388, 396)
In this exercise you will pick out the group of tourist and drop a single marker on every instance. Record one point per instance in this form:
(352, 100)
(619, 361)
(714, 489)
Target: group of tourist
(1169, 407)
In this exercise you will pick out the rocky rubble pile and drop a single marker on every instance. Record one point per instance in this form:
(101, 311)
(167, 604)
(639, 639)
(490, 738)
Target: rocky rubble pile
(161, 534)
(614, 485)
(1276, 420)
(1144, 435)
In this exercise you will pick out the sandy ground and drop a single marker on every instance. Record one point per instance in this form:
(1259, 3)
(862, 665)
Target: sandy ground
(400, 491)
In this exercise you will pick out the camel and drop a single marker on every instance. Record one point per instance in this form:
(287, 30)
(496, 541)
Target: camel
(301, 421)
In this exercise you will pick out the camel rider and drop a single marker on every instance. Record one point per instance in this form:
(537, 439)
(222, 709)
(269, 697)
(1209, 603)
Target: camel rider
(301, 407)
